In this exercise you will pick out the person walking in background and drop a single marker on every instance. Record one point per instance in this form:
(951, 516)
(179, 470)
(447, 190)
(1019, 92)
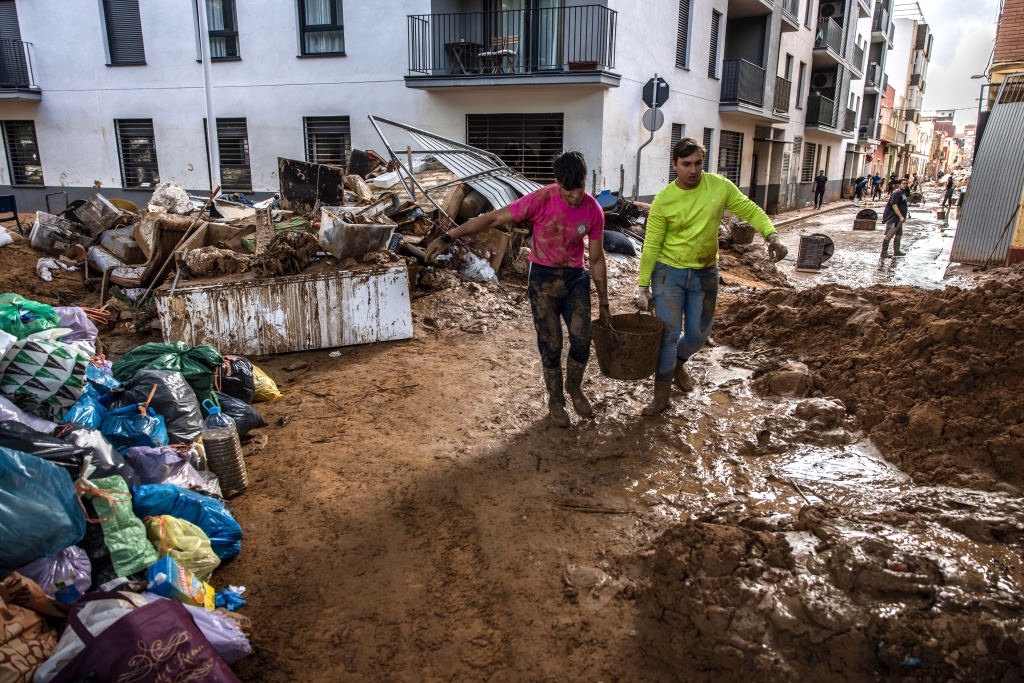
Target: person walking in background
(876, 187)
(820, 183)
(679, 262)
(947, 199)
(894, 216)
(858, 189)
(565, 220)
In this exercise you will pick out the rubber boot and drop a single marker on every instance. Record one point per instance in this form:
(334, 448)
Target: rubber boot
(662, 389)
(885, 249)
(556, 400)
(896, 248)
(682, 378)
(574, 387)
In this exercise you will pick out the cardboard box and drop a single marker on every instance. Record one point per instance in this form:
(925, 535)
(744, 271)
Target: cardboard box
(168, 578)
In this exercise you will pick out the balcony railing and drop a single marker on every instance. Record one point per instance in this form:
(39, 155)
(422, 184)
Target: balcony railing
(880, 24)
(873, 76)
(555, 39)
(15, 65)
(820, 111)
(901, 138)
(791, 8)
(915, 80)
(829, 36)
(742, 81)
(850, 123)
(783, 87)
(868, 131)
(857, 60)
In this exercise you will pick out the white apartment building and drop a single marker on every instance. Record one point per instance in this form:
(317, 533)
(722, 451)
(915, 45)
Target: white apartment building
(113, 94)
(908, 72)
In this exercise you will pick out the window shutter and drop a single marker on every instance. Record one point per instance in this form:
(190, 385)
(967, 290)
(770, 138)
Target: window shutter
(730, 150)
(233, 147)
(9, 29)
(716, 22)
(683, 35)
(328, 139)
(708, 133)
(124, 31)
(136, 147)
(526, 142)
(677, 135)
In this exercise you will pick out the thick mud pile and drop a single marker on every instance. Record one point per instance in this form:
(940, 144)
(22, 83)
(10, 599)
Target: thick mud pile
(935, 377)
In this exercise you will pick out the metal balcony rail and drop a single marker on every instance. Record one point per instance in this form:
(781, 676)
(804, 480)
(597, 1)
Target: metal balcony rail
(901, 138)
(555, 39)
(742, 81)
(850, 122)
(820, 111)
(915, 80)
(873, 76)
(15, 64)
(857, 61)
(868, 131)
(829, 35)
(783, 87)
(880, 24)
(792, 9)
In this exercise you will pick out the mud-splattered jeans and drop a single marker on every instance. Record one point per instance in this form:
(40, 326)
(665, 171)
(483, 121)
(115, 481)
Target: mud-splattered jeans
(558, 294)
(684, 301)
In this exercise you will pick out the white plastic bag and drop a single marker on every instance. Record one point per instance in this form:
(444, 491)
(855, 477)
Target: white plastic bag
(5, 237)
(478, 268)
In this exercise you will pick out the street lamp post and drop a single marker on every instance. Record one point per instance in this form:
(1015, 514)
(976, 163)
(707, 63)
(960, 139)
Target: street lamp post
(211, 122)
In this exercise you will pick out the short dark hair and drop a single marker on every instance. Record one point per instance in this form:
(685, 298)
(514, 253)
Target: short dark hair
(685, 147)
(570, 170)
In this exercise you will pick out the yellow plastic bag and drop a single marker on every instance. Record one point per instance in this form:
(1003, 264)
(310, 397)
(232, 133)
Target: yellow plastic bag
(266, 388)
(185, 542)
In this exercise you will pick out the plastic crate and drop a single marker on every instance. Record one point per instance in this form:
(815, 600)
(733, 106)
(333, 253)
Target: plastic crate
(812, 253)
(865, 223)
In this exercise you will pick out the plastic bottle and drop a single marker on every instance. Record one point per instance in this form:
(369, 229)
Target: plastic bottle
(224, 450)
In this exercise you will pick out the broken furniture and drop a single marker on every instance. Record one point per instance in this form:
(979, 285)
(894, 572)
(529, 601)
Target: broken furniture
(501, 58)
(9, 205)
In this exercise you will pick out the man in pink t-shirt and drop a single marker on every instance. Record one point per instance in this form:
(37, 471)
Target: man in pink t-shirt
(564, 218)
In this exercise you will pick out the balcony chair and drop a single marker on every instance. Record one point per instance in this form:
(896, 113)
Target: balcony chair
(501, 58)
(8, 205)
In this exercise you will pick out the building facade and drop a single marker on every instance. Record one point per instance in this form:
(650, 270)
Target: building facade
(116, 95)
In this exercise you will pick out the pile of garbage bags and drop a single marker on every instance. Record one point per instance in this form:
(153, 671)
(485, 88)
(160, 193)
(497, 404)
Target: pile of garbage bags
(112, 523)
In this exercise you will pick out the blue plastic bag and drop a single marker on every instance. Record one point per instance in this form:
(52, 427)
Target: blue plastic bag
(207, 513)
(129, 426)
(87, 411)
(101, 380)
(39, 510)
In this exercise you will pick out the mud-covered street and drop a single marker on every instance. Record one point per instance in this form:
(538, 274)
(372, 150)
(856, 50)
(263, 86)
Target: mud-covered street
(838, 500)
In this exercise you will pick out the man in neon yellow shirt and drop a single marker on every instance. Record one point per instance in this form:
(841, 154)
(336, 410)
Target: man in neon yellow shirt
(679, 262)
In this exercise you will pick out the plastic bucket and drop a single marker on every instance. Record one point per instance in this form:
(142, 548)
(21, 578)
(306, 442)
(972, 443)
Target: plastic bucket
(629, 348)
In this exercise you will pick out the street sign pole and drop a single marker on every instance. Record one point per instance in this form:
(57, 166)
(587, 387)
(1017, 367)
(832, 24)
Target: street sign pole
(655, 93)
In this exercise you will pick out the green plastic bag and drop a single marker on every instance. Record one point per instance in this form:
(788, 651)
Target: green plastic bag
(21, 317)
(119, 546)
(198, 364)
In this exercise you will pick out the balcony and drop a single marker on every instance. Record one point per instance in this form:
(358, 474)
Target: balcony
(868, 132)
(780, 103)
(880, 25)
(742, 83)
(901, 138)
(790, 15)
(863, 9)
(872, 79)
(17, 80)
(850, 121)
(857, 63)
(887, 133)
(916, 80)
(820, 112)
(828, 40)
(557, 45)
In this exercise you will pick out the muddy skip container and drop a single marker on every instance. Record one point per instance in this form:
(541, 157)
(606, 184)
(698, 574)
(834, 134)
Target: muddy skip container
(629, 348)
(224, 451)
(866, 219)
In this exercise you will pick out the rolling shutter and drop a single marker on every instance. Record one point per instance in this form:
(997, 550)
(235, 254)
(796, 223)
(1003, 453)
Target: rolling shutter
(124, 31)
(683, 34)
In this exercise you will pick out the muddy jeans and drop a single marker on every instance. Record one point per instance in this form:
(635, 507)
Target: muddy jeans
(684, 301)
(558, 294)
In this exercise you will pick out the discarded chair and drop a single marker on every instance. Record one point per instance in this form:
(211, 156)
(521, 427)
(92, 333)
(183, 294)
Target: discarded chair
(501, 58)
(9, 205)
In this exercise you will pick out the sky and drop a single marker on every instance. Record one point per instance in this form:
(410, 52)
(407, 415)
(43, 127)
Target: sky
(963, 34)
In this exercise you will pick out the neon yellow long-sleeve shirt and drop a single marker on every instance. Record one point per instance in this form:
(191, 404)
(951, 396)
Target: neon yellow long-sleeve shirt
(682, 228)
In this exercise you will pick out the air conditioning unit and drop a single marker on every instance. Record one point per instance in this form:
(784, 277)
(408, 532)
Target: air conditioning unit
(823, 80)
(830, 9)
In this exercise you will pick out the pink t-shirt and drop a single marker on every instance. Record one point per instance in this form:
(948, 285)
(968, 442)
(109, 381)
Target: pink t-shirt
(559, 230)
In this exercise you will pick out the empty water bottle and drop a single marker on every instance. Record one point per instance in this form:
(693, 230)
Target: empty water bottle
(224, 450)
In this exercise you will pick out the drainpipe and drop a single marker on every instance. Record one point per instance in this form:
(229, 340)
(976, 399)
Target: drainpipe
(211, 122)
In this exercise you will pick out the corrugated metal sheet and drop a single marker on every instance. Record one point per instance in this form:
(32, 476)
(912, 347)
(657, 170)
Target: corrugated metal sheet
(997, 177)
(293, 313)
(500, 183)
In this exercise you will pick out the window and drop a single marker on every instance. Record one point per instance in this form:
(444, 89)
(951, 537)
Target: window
(716, 23)
(800, 86)
(708, 135)
(677, 135)
(223, 28)
(328, 139)
(730, 153)
(683, 34)
(136, 148)
(22, 153)
(807, 170)
(233, 148)
(789, 67)
(828, 159)
(124, 32)
(322, 30)
(807, 15)
(526, 142)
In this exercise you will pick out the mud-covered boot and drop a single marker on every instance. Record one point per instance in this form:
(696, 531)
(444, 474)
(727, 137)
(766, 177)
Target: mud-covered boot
(662, 389)
(896, 248)
(574, 387)
(682, 378)
(556, 400)
(885, 249)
